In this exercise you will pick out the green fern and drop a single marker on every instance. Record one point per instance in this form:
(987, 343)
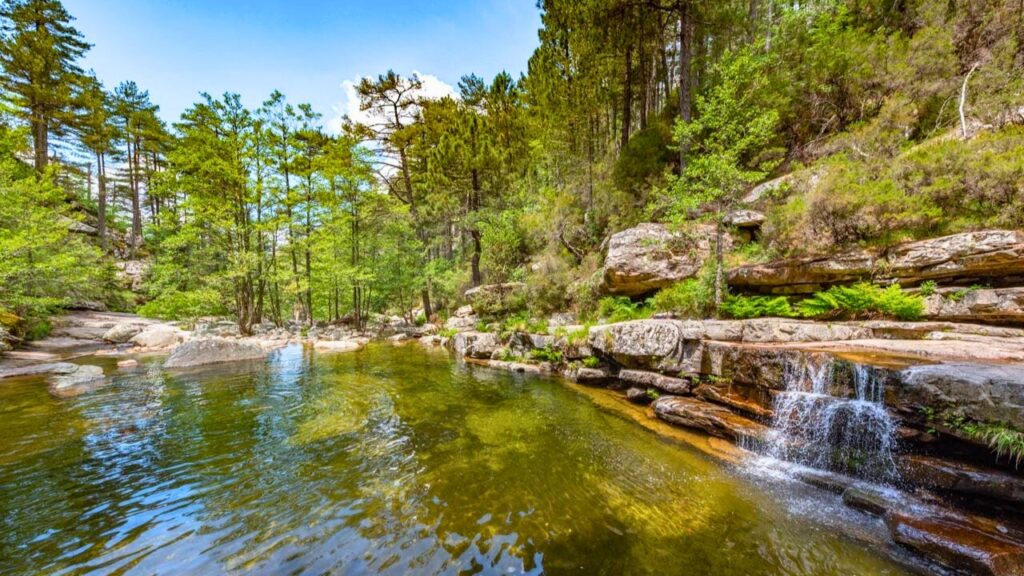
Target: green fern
(1003, 440)
(862, 300)
(756, 307)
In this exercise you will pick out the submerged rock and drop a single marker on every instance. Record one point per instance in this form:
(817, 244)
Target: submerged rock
(37, 369)
(82, 379)
(213, 350)
(589, 376)
(639, 396)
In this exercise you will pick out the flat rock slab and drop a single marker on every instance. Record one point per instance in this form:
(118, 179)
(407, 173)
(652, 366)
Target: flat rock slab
(37, 369)
(962, 478)
(336, 346)
(644, 379)
(981, 392)
(213, 350)
(710, 418)
(958, 542)
(937, 350)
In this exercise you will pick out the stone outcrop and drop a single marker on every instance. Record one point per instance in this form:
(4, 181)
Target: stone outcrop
(980, 392)
(978, 305)
(480, 345)
(970, 255)
(213, 350)
(662, 345)
(463, 319)
(337, 345)
(490, 299)
(649, 256)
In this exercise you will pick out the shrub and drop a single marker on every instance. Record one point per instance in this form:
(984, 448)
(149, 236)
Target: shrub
(756, 307)
(928, 288)
(579, 335)
(862, 300)
(447, 332)
(546, 354)
(421, 319)
(621, 308)
(591, 361)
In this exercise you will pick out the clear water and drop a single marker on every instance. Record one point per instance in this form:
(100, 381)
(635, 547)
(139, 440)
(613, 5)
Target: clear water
(392, 460)
(814, 428)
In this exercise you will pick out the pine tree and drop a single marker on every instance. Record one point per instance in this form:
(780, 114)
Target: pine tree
(39, 49)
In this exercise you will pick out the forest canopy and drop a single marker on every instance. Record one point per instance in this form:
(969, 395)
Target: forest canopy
(888, 121)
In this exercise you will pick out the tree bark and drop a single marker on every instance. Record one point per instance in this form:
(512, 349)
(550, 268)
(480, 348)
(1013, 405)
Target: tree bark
(719, 265)
(627, 99)
(685, 54)
(101, 202)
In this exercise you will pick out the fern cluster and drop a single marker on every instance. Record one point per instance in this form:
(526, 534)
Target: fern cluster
(862, 300)
(743, 307)
(621, 308)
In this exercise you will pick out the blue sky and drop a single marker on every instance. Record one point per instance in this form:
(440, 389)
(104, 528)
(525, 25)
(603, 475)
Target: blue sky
(305, 48)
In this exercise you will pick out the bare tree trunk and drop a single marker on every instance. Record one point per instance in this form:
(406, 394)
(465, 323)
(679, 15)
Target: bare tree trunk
(685, 54)
(627, 99)
(719, 265)
(101, 202)
(963, 100)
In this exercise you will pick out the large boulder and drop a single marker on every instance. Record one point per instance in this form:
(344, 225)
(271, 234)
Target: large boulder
(649, 256)
(158, 336)
(491, 299)
(661, 345)
(982, 254)
(987, 305)
(123, 331)
(476, 344)
(213, 350)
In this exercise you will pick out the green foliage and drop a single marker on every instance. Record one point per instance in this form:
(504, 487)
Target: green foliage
(447, 332)
(1002, 439)
(187, 305)
(546, 354)
(43, 267)
(421, 319)
(591, 361)
(691, 298)
(743, 307)
(621, 309)
(862, 300)
(928, 288)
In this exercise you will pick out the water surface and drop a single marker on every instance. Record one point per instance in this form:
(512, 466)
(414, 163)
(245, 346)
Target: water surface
(392, 460)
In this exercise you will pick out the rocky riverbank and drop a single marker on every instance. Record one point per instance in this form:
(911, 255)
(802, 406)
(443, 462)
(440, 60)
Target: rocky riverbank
(895, 416)
(208, 341)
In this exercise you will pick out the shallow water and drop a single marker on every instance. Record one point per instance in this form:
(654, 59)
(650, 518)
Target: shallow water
(392, 460)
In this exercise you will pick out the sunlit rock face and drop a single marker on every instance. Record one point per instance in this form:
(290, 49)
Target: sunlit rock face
(649, 256)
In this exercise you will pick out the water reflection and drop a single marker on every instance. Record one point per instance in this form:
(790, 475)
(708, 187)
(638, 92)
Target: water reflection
(393, 460)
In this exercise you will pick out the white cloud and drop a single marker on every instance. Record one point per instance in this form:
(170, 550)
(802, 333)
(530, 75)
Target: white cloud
(432, 88)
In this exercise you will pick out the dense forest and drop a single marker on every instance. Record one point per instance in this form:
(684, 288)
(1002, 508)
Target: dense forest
(888, 120)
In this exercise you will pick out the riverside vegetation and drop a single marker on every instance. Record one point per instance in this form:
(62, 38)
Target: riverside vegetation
(794, 227)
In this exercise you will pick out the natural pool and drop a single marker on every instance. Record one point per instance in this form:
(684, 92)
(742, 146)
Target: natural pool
(391, 460)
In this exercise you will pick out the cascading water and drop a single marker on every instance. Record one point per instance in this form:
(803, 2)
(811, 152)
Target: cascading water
(814, 427)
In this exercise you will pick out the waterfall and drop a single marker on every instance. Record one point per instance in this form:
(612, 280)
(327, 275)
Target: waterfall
(851, 433)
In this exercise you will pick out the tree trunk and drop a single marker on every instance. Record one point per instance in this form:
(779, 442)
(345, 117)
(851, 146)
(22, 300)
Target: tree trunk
(719, 265)
(40, 141)
(685, 54)
(627, 99)
(101, 202)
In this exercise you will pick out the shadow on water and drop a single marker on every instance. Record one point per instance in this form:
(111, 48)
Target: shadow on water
(392, 460)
